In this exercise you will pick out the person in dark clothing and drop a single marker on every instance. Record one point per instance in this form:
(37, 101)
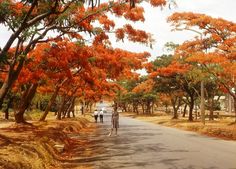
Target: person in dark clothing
(101, 116)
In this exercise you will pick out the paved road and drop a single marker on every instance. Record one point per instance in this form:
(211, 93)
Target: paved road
(142, 145)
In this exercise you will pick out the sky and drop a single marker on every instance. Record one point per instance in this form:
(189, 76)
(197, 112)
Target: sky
(156, 24)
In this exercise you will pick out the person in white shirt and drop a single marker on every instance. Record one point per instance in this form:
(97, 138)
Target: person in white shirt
(95, 114)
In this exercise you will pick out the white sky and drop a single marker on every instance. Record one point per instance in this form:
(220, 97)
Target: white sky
(156, 23)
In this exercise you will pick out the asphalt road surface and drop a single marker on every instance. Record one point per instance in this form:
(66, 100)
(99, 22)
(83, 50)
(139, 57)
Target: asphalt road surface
(143, 145)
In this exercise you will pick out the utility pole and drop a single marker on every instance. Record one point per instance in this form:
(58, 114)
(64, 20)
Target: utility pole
(202, 106)
(229, 104)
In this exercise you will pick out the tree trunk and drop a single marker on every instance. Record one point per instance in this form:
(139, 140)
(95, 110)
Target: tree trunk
(19, 117)
(68, 114)
(148, 107)
(211, 106)
(12, 75)
(61, 108)
(185, 108)
(143, 107)
(59, 115)
(176, 104)
(50, 103)
(191, 106)
(25, 102)
(71, 108)
(175, 115)
(235, 107)
(68, 109)
(82, 107)
(152, 108)
(64, 113)
(175, 109)
(6, 111)
(202, 105)
(190, 116)
(4, 89)
(90, 107)
(135, 108)
(37, 105)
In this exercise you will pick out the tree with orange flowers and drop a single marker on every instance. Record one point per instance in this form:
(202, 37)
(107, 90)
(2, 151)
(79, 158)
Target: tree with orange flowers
(32, 21)
(45, 67)
(63, 66)
(213, 48)
(147, 97)
(174, 78)
(167, 81)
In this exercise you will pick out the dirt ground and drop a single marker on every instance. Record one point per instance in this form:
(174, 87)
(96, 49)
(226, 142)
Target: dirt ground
(41, 145)
(224, 128)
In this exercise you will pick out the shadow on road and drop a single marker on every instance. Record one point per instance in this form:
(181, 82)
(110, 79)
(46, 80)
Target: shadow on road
(137, 146)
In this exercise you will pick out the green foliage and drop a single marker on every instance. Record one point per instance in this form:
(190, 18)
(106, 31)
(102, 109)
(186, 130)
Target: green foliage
(92, 59)
(128, 84)
(135, 98)
(33, 114)
(97, 30)
(3, 59)
(40, 101)
(149, 97)
(4, 10)
(171, 46)
(162, 61)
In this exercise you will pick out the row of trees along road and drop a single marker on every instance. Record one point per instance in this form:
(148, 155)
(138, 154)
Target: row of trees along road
(49, 50)
(175, 79)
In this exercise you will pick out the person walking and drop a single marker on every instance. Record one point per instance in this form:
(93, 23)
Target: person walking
(101, 116)
(114, 121)
(95, 114)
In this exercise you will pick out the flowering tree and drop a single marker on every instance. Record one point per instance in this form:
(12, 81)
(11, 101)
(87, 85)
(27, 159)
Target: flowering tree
(33, 21)
(213, 49)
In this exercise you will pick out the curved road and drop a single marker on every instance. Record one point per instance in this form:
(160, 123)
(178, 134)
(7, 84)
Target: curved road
(143, 145)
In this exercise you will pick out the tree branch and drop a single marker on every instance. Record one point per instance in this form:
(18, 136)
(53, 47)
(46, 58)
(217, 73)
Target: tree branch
(34, 4)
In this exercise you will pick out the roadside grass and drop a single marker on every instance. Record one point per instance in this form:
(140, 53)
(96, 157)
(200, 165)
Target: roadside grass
(224, 128)
(35, 114)
(34, 146)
